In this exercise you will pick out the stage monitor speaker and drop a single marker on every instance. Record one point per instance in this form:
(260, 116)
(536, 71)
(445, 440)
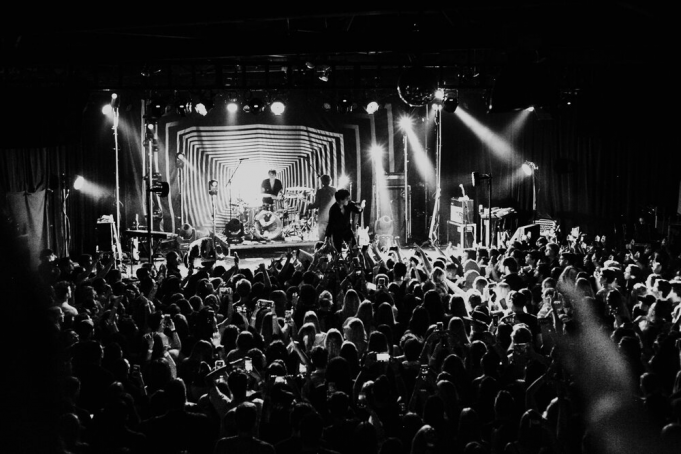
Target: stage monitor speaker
(531, 230)
(461, 235)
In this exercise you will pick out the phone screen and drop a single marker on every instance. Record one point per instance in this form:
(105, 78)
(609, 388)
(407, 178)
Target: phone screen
(248, 364)
(383, 357)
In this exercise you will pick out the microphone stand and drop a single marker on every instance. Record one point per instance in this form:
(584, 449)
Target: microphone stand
(229, 184)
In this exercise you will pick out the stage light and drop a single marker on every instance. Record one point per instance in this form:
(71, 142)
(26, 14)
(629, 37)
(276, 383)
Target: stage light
(450, 103)
(477, 177)
(345, 106)
(200, 109)
(107, 109)
(343, 181)
(436, 105)
(254, 106)
(277, 107)
(372, 107)
(439, 94)
(182, 108)
(529, 167)
(326, 105)
(204, 105)
(78, 183)
(232, 106)
(530, 109)
(377, 152)
(406, 123)
(325, 73)
(155, 108)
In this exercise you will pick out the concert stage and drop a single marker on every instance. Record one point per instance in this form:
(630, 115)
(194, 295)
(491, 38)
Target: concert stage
(257, 248)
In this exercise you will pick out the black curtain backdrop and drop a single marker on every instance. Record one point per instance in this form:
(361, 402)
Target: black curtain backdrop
(602, 161)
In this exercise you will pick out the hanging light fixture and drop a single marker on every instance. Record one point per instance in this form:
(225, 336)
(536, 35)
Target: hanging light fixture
(372, 107)
(277, 107)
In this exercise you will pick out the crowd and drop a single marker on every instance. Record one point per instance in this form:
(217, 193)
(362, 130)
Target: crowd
(541, 346)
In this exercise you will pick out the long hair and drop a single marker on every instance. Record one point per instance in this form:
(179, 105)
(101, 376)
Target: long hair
(350, 304)
(365, 312)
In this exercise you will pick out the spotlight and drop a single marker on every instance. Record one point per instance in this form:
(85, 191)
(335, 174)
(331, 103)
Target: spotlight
(277, 107)
(439, 94)
(213, 187)
(376, 152)
(155, 108)
(343, 181)
(325, 73)
(204, 105)
(530, 109)
(406, 123)
(437, 104)
(345, 106)
(78, 183)
(450, 103)
(107, 109)
(529, 167)
(182, 108)
(254, 106)
(200, 108)
(477, 177)
(372, 107)
(232, 106)
(326, 105)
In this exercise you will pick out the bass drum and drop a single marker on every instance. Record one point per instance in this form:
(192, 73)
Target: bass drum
(268, 226)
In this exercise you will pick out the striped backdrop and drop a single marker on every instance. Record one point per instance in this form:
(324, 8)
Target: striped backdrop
(244, 154)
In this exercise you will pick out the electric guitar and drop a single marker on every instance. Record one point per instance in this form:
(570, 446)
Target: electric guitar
(361, 232)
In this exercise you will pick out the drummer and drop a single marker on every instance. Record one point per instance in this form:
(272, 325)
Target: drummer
(272, 190)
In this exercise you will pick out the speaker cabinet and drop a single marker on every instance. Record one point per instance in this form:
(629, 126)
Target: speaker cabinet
(461, 235)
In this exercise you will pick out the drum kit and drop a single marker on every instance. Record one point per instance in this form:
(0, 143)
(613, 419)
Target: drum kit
(287, 216)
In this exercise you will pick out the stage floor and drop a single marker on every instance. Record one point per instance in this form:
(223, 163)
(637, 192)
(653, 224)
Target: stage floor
(252, 254)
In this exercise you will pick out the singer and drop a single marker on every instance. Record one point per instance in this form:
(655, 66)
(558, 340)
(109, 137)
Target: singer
(272, 189)
(339, 228)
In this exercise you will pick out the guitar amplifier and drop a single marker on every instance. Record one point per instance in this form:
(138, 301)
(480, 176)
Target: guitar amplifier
(461, 210)
(461, 235)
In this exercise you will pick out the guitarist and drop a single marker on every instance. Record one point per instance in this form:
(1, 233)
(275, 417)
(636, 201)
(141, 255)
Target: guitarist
(340, 226)
(323, 200)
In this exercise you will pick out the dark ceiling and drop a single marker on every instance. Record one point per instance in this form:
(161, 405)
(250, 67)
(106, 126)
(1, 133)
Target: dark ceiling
(271, 47)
